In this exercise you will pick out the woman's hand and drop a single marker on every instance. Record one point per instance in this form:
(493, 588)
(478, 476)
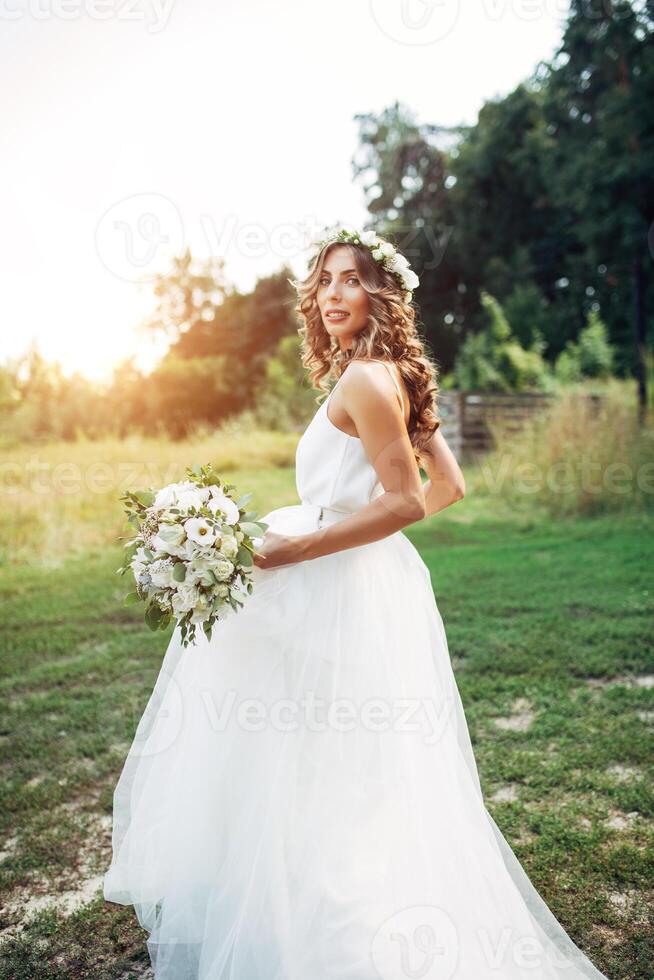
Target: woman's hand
(279, 549)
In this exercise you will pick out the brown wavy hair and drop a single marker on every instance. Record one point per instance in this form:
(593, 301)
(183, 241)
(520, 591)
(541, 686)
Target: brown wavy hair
(390, 334)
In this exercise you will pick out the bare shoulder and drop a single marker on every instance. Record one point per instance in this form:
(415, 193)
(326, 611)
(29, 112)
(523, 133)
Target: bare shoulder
(368, 377)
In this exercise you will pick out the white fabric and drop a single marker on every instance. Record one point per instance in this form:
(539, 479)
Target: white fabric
(301, 800)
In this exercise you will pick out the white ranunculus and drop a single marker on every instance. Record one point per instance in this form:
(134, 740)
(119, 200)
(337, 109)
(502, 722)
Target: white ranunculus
(185, 598)
(410, 279)
(221, 502)
(200, 531)
(370, 239)
(377, 254)
(387, 249)
(201, 609)
(223, 569)
(199, 571)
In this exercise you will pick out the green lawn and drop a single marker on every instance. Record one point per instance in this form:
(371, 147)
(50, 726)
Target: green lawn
(550, 631)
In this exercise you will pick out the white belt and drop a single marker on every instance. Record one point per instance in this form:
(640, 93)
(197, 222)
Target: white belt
(327, 514)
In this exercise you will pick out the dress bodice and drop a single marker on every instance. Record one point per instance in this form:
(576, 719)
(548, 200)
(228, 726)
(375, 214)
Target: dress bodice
(332, 469)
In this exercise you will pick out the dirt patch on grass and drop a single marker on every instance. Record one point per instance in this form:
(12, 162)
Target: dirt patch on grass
(617, 820)
(521, 718)
(624, 774)
(621, 680)
(70, 892)
(505, 794)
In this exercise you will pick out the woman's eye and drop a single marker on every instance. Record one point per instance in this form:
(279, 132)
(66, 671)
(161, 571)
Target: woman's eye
(325, 282)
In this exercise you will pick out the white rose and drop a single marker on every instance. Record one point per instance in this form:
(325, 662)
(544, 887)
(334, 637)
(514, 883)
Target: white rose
(228, 546)
(220, 501)
(387, 249)
(196, 497)
(410, 279)
(377, 254)
(200, 531)
(370, 238)
(400, 263)
(165, 497)
(223, 569)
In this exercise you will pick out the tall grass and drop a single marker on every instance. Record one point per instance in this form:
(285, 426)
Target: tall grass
(576, 458)
(62, 497)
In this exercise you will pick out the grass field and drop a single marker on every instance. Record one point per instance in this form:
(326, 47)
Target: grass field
(549, 626)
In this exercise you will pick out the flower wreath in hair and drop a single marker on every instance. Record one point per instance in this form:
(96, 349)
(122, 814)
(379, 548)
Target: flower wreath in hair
(382, 251)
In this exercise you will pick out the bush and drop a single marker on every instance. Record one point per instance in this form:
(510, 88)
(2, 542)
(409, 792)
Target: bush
(285, 402)
(494, 360)
(590, 357)
(582, 456)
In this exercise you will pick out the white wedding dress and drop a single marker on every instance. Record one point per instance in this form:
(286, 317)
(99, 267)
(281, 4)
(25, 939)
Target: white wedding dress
(301, 800)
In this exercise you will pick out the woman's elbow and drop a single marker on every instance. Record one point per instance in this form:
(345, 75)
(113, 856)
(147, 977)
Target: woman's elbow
(458, 490)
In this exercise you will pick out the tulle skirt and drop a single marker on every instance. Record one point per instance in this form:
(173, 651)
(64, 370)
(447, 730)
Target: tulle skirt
(301, 800)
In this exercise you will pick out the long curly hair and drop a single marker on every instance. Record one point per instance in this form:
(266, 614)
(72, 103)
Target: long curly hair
(390, 334)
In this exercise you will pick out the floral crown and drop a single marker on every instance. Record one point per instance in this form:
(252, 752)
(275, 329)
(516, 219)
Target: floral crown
(382, 251)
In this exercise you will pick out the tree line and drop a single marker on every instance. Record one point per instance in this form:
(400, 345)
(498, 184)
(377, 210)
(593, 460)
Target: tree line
(532, 232)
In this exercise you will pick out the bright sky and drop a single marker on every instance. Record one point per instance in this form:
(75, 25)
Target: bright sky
(134, 127)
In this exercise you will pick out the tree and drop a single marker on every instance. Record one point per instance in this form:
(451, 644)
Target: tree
(600, 111)
(187, 294)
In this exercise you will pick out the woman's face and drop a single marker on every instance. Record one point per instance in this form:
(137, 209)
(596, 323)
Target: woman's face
(342, 300)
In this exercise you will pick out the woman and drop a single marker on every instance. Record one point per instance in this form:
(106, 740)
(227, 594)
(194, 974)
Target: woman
(301, 799)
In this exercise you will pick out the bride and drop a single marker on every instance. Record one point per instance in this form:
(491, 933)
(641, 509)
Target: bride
(301, 799)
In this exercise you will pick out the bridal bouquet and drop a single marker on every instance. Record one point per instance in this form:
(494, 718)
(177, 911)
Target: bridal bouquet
(192, 553)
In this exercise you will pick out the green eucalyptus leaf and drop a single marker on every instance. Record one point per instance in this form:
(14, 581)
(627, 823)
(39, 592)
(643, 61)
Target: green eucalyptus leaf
(145, 497)
(244, 557)
(252, 528)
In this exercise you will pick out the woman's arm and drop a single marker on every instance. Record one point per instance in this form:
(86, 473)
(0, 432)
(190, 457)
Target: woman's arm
(368, 396)
(446, 484)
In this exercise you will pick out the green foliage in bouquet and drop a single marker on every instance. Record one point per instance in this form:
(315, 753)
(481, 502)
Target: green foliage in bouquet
(192, 554)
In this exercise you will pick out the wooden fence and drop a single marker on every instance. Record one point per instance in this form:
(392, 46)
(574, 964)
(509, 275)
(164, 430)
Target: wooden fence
(465, 416)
